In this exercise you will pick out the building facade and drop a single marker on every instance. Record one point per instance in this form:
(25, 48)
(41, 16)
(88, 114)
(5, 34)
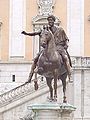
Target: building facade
(21, 15)
(17, 50)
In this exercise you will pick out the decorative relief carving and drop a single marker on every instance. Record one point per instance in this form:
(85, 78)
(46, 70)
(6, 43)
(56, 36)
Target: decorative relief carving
(83, 61)
(88, 62)
(73, 61)
(45, 6)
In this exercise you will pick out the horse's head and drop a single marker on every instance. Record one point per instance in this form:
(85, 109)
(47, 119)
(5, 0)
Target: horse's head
(45, 37)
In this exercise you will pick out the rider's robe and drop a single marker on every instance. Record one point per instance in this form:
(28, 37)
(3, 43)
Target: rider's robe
(61, 41)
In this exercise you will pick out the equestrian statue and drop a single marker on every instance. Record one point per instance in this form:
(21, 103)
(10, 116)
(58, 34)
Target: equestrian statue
(53, 62)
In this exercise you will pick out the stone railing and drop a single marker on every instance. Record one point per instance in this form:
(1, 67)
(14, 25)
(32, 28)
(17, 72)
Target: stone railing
(80, 61)
(20, 91)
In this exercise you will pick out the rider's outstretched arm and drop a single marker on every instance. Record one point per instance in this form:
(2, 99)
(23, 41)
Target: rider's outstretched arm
(32, 33)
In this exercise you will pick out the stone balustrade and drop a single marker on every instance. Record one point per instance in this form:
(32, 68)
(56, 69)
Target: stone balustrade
(19, 91)
(80, 62)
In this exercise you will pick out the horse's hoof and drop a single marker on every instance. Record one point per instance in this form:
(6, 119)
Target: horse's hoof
(50, 99)
(55, 100)
(36, 86)
(64, 101)
(27, 82)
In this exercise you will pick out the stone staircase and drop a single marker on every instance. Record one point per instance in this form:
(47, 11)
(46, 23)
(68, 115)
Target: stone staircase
(19, 92)
(22, 93)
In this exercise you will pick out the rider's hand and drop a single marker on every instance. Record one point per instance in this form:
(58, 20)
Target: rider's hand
(23, 32)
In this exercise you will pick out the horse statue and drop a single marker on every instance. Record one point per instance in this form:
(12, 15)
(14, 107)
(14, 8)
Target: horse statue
(51, 65)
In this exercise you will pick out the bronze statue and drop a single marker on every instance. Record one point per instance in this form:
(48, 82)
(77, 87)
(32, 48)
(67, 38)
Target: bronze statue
(61, 43)
(54, 61)
(51, 65)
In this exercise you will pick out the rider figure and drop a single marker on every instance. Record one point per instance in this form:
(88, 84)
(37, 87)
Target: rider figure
(61, 40)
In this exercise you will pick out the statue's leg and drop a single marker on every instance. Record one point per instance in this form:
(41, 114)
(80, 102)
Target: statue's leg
(40, 65)
(63, 78)
(55, 90)
(55, 86)
(36, 82)
(49, 83)
(65, 58)
(33, 67)
(67, 65)
(32, 72)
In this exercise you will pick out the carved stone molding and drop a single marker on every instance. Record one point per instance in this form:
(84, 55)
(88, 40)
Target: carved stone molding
(45, 6)
(81, 61)
(52, 111)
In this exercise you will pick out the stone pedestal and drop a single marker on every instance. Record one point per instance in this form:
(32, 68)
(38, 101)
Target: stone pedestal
(52, 111)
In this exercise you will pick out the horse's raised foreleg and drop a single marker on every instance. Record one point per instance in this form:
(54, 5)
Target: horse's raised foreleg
(35, 82)
(49, 83)
(31, 72)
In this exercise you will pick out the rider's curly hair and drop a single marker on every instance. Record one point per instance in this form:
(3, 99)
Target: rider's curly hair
(51, 16)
